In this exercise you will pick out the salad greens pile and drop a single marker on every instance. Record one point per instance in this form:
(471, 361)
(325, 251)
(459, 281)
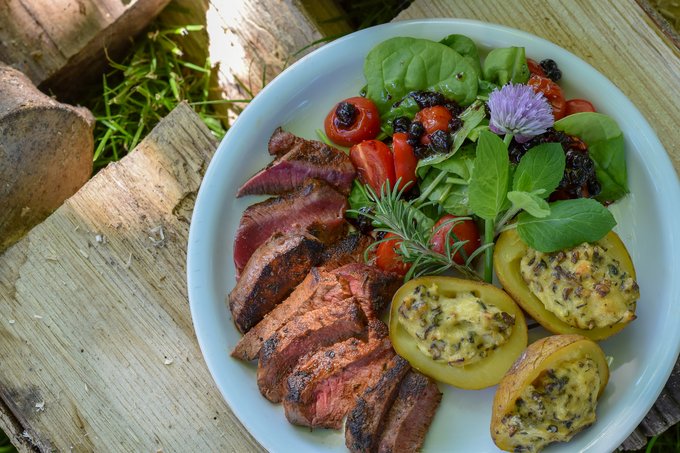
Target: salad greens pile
(475, 177)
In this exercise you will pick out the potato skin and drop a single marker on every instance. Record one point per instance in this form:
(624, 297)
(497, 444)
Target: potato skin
(482, 374)
(508, 253)
(539, 356)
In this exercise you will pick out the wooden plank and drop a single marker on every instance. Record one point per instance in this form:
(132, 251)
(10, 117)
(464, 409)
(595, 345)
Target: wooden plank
(616, 37)
(98, 351)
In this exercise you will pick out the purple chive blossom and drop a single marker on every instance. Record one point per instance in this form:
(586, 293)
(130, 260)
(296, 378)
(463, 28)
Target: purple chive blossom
(518, 110)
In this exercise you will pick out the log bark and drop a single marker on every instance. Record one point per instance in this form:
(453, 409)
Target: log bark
(45, 154)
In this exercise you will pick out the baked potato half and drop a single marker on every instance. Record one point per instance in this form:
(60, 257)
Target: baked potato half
(508, 254)
(549, 394)
(462, 307)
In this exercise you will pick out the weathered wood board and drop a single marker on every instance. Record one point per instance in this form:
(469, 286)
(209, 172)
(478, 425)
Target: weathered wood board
(96, 341)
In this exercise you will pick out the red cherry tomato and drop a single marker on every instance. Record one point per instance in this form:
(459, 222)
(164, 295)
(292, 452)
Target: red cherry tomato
(465, 230)
(374, 163)
(551, 91)
(365, 122)
(405, 161)
(578, 105)
(434, 119)
(535, 68)
(387, 258)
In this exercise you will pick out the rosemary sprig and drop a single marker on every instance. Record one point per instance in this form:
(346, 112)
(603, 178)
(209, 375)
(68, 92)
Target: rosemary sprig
(392, 214)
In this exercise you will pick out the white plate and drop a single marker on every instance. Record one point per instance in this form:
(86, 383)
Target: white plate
(298, 100)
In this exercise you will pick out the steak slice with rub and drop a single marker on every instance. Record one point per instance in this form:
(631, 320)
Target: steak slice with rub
(373, 287)
(272, 272)
(346, 250)
(299, 159)
(366, 421)
(302, 335)
(322, 388)
(318, 289)
(315, 207)
(410, 415)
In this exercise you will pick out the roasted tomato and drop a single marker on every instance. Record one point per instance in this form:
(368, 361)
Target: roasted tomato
(352, 121)
(464, 230)
(559, 374)
(508, 254)
(430, 352)
(433, 119)
(387, 258)
(374, 163)
(552, 92)
(535, 68)
(405, 161)
(577, 106)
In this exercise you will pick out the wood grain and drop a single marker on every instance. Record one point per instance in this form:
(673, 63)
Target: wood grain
(97, 346)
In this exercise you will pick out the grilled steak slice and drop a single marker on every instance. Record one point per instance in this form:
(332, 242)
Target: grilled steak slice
(304, 335)
(366, 420)
(303, 159)
(316, 207)
(322, 388)
(373, 287)
(348, 249)
(410, 415)
(318, 289)
(281, 142)
(272, 272)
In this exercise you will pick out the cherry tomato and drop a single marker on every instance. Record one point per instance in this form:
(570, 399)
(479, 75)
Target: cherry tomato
(405, 161)
(352, 121)
(578, 105)
(387, 258)
(434, 119)
(551, 91)
(465, 230)
(374, 163)
(535, 68)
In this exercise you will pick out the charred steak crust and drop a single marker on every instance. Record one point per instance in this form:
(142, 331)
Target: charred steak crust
(272, 272)
(346, 250)
(304, 335)
(299, 159)
(373, 287)
(366, 420)
(314, 207)
(411, 414)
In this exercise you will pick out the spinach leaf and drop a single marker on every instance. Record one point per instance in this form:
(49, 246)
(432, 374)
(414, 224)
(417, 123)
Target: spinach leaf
(490, 177)
(466, 47)
(358, 198)
(446, 183)
(541, 168)
(606, 147)
(400, 65)
(570, 223)
(506, 64)
(530, 202)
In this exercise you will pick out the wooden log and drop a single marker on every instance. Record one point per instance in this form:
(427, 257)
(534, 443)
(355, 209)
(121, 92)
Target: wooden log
(60, 43)
(98, 351)
(45, 154)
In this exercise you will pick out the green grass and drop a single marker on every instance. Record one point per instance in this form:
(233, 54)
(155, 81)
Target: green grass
(5, 445)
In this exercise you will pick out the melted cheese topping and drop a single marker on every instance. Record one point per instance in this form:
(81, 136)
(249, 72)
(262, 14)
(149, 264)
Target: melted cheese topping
(458, 330)
(557, 405)
(582, 286)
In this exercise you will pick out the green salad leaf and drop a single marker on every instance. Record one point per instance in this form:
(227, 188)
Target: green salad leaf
(606, 147)
(541, 168)
(466, 47)
(531, 202)
(446, 183)
(358, 198)
(490, 177)
(506, 64)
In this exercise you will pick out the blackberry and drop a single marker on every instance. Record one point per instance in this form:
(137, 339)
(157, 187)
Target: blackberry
(363, 223)
(427, 98)
(421, 152)
(415, 131)
(454, 108)
(440, 142)
(401, 124)
(455, 124)
(551, 70)
(345, 113)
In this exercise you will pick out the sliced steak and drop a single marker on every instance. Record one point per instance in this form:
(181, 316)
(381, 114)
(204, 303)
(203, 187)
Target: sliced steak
(346, 250)
(373, 287)
(410, 415)
(319, 288)
(315, 207)
(302, 335)
(298, 160)
(272, 272)
(366, 420)
(322, 388)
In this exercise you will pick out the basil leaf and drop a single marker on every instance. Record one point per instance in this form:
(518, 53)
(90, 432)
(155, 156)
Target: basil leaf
(465, 47)
(490, 176)
(606, 147)
(400, 65)
(529, 202)
(541, 167)
(450, 191)
(570, 223)
(506, 64)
